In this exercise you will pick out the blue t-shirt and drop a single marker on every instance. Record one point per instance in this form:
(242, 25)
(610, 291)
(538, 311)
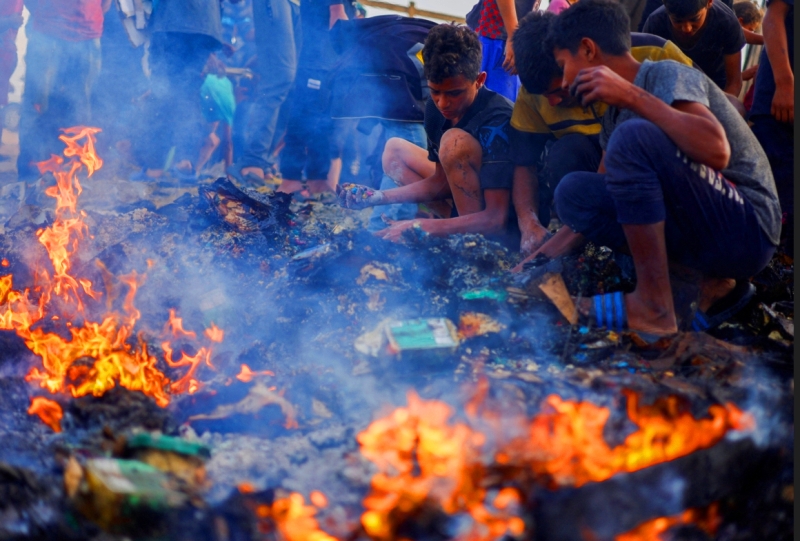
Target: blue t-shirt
(765, 79)
(721, 35)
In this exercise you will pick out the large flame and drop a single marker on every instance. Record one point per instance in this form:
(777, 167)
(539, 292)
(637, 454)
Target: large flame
(425, 460)
(292, 518)
(89, 353)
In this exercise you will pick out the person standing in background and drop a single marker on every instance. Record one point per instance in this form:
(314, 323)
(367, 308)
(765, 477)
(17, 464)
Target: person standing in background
(277, 33)
(183, 35)
(62, 62)
(10, 21)
(498, 21)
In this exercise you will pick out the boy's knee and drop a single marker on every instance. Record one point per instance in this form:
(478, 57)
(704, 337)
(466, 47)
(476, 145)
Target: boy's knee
(633, 138)
(392, 158)
(459, 146)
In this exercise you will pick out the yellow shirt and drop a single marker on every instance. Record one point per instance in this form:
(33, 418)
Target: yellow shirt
(533, 114)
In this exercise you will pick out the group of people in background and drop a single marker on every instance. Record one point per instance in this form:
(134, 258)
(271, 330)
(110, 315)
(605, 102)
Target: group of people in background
(639, 141)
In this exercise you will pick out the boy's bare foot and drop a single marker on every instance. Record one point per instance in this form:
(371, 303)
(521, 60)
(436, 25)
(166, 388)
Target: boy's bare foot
(255, 171)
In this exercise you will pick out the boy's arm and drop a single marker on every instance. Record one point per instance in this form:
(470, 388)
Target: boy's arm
(733, 73)
(508, 12)
(752, 38)
(690, 125)
(776, 45)
(492, 219)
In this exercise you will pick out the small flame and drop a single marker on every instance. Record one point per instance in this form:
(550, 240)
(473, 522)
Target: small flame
(48, 411)
(706, 519)
(293, 519)
(215, 334)
(246, 375)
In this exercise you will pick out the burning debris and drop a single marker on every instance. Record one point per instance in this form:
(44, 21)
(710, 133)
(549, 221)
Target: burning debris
(234, 365)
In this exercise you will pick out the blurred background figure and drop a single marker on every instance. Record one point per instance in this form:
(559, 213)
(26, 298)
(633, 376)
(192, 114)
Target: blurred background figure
(62, 63)
(277, 35)
(183, 35)
(10, 21)
(219, 110)
(312, 155)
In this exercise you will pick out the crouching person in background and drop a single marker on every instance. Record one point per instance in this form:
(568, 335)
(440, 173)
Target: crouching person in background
(465, 176)
(683, 181)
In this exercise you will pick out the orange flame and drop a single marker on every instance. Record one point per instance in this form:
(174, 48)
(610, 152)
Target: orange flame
(215, 334)
(48, 411)
(707, 520)
(293, 519)
(424, 459)
(89, 357)
(246, 375)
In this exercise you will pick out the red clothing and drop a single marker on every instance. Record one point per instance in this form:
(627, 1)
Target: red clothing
(71, 20)
(491, 23)
(10, 7)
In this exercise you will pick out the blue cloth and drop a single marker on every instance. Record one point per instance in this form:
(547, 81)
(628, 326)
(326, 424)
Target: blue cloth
(497, 79)
(709, 226)
(277, 27)
(219, 103)
(413, 132)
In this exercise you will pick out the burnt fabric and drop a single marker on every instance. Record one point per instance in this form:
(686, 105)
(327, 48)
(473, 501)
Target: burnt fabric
(488, 121)
(721, 35)
(748, 167)
(709, 224)
(765, 79)
(58, 84)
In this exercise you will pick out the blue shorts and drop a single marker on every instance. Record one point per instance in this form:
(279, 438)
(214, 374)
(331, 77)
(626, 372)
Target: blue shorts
(709, 226)
(498, 79)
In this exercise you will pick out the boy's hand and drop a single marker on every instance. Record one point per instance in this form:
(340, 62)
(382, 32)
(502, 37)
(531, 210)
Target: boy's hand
(783, 102)
(508, 62)
(600, 84)
(395, 230)
(357, 197)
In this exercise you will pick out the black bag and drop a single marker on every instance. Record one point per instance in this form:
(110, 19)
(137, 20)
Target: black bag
(474, 15)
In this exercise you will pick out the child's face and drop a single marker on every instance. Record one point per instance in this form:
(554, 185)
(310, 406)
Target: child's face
(691, 24)
(454, 95)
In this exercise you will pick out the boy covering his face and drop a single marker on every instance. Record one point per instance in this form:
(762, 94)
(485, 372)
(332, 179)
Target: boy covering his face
(708, 32)
(684, 180)
(467, 161)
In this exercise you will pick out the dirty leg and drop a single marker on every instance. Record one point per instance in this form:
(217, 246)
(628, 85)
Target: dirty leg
(461, 155)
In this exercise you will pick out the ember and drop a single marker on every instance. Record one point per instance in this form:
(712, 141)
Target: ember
(49, 411)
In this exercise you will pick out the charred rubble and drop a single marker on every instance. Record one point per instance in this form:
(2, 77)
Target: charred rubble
(296, 287)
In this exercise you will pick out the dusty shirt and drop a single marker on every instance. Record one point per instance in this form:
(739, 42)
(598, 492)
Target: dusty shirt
(748, 167)
(487, 120)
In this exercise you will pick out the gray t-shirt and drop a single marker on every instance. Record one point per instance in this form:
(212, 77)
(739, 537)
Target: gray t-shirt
(748, 167)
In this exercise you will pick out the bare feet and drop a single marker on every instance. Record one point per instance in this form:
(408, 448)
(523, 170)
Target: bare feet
(257, 171)
(290, 186)
(712, 290)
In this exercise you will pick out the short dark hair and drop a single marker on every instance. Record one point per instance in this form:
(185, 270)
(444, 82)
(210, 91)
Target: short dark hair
(603, 21)
(533, 54)
(684, 8)
(451, 50)
(748, 12)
